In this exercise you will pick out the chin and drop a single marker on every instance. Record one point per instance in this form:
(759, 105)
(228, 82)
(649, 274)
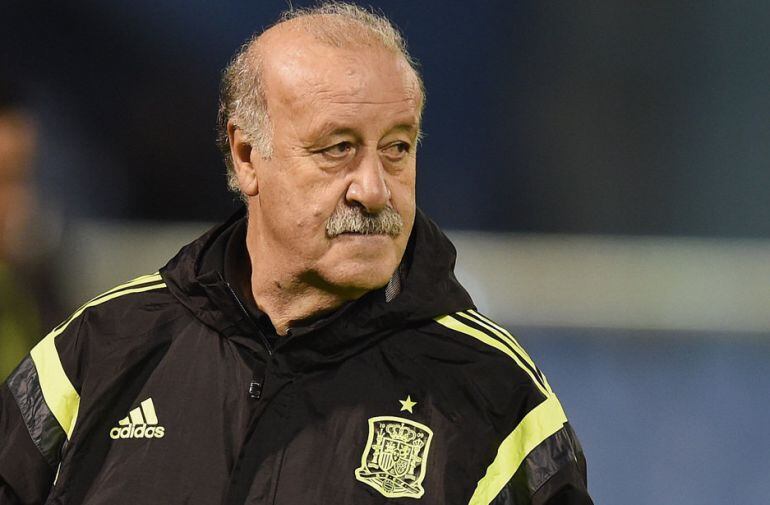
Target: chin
(361, 275)
(365, 280)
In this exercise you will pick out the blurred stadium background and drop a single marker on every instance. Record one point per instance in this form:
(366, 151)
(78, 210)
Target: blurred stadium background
(603, 168)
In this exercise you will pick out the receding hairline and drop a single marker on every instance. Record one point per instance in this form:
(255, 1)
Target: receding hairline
(334, 29)
(320, 28)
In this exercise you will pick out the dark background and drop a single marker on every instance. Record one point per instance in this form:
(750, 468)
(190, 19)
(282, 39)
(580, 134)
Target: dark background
(605, 116)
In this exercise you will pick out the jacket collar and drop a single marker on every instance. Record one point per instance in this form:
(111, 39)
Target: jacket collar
(206, 276)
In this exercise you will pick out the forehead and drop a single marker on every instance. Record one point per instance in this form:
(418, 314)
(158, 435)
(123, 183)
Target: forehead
(305, 77)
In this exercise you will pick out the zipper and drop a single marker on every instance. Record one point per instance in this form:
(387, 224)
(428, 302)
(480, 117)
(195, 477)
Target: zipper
(265, 341)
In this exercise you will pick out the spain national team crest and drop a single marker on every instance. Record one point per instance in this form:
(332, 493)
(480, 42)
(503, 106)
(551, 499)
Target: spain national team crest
(396, 457)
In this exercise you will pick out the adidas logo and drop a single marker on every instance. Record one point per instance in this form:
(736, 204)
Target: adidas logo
(142, 422)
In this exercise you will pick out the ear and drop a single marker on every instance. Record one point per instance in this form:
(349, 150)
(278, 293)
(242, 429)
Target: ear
(245, 169)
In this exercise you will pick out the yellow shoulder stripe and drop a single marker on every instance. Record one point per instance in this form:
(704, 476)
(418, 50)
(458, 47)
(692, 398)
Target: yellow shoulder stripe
(144, 279)
(541, 422)
(498, 330)
(505, 335)
(454, 324)
(59, 393)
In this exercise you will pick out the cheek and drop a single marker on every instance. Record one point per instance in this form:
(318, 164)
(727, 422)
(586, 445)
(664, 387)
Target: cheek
(290, 202)
(310, 207)
(403, 193)
(309, 217)
(302, 198)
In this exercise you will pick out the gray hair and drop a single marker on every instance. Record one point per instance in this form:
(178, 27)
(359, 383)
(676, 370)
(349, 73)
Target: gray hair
(354, 219)
(242, 98)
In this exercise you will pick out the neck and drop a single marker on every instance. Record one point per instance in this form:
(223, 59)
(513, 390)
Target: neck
(288, 293)
(289, 301)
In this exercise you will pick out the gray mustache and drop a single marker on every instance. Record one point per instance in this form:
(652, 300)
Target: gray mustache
(346, 219)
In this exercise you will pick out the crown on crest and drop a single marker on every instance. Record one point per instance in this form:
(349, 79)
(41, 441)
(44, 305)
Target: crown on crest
(401, 432)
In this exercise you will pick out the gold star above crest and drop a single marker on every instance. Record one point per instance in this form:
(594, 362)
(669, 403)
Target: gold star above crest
(407, 404)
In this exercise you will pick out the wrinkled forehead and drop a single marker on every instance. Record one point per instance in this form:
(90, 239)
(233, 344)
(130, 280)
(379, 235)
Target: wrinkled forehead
(296, 67)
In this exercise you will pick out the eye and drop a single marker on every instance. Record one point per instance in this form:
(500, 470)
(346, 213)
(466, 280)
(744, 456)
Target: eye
(397, 150)
(339, 151)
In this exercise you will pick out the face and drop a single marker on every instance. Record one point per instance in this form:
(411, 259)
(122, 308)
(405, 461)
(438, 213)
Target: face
(345, 125)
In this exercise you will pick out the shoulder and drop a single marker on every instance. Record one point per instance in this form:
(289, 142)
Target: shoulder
(48, 383)
(475, 338)
(136, 294)
(131, 308)
(129, 312)
(115, 321)
(535, 441)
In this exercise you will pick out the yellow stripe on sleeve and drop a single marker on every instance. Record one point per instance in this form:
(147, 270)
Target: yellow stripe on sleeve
(59, 393)
(453, 324)
(541, 422)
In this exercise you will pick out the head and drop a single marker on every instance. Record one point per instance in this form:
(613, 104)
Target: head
(319, 123)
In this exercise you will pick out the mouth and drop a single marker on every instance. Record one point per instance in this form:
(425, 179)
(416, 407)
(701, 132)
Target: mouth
(359, 232)
(361, 235)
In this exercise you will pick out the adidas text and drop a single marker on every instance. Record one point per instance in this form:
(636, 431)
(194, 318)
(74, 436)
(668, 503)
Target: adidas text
(137, 431)
(141, 422)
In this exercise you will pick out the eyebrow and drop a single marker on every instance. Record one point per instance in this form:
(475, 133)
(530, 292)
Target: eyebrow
(329, 129)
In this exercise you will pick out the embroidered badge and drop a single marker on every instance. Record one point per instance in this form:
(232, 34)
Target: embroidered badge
(396, 456)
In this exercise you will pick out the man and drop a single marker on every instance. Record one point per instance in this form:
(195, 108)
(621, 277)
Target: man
(315, 348)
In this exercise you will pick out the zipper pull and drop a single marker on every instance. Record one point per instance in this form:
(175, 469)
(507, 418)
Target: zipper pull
(255, 389)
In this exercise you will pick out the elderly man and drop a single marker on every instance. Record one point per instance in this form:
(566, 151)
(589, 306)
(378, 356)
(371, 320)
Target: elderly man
(314, 349)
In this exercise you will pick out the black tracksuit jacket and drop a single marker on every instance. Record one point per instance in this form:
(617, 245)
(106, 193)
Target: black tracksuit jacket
(173, 389)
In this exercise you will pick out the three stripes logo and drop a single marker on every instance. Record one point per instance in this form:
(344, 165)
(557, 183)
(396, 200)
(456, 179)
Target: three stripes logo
(141, 422)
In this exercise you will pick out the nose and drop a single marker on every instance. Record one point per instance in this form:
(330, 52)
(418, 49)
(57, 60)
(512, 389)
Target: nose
(368, 187)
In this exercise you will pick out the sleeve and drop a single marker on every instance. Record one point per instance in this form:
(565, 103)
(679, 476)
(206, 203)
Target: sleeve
(25, 475)
(38, 408)
(541, 462)
(564, 481)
